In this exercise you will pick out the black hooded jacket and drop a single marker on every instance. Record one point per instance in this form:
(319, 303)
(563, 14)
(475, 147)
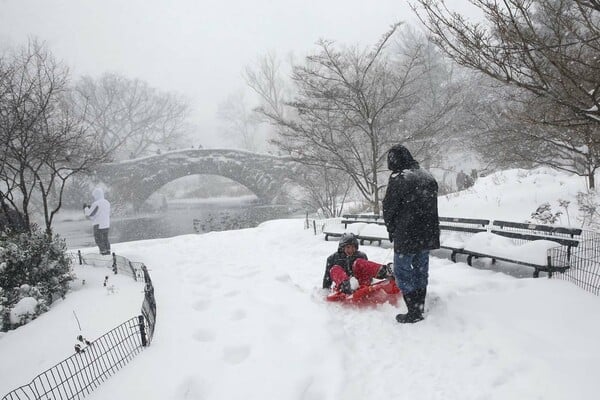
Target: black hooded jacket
(410, 204)
(340, 258)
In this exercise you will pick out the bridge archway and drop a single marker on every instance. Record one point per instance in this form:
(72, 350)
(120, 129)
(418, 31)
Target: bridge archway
(133, 181)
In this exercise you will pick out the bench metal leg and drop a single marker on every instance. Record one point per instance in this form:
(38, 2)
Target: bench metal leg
(470, 260)
(453, 256)
(536, 273)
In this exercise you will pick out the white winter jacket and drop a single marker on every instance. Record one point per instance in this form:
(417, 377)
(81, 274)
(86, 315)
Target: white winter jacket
(99, 211)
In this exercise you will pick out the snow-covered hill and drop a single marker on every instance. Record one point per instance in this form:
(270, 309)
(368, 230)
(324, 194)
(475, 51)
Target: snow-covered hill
(514, 194)
(241, 315)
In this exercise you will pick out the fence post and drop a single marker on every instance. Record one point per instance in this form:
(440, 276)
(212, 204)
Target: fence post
(114, 263)
(79, 256)
(315, 227)
(133, 272)
(142, 330)
(306, 223)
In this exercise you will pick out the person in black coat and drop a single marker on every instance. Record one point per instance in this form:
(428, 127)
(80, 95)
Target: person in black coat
(411, 218)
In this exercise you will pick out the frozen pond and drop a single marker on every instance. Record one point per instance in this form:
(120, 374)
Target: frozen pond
(177, 219)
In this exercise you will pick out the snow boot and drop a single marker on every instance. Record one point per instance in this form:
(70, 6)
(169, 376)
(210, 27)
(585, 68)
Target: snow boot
(345, 287)
(415, 301)
(422, 295)
(386, 272)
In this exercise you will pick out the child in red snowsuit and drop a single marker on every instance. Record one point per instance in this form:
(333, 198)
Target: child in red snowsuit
(362, 269)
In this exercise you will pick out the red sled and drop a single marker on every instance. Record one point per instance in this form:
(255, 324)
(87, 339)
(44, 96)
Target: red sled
(369, 295)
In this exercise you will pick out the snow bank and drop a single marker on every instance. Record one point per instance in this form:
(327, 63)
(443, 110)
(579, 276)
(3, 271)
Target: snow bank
(514, 194)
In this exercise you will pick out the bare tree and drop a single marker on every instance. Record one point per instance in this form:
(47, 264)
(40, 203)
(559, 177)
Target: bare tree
(433, 120)
(239, 123)
(267, 81)
(42, 143)
(129, 117)
(546, 48)
(351, 105)
(326, 190)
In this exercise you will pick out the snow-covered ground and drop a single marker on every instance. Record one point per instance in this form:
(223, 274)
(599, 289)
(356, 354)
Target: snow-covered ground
(241, 315)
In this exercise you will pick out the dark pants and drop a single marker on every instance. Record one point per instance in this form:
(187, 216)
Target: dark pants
(411, 271)
(101, 238)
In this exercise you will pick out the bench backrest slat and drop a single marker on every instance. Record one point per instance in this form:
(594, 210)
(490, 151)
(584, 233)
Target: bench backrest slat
(362, 216)
(540, 228)
(461, 228)
(475, 221)
(354, 221)
(529, 236)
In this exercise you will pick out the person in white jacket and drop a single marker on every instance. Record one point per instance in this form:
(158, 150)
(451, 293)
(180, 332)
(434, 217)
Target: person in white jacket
(99, 213)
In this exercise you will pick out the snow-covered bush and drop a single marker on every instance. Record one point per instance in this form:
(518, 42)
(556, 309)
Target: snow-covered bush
(589, 209)
(34, 271)
(544, 215)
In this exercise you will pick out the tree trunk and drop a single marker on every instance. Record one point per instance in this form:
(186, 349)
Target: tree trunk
(376, 209)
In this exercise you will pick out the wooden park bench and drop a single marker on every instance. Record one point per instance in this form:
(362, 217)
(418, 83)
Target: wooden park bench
(544, 248)
(366, 227)
(362, 218)
(541, 247)
(454, 233)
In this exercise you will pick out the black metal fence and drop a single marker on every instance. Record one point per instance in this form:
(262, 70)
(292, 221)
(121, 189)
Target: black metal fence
(81, 373)
(149, 304)
(118, 264)
(585, 263)
(93, 362)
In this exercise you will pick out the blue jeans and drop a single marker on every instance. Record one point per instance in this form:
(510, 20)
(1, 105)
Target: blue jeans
(411, 270)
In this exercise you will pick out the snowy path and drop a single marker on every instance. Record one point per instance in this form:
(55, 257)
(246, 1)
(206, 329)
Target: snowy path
(240, 316)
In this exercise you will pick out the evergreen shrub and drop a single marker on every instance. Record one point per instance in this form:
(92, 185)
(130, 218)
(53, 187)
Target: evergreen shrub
(35, 270)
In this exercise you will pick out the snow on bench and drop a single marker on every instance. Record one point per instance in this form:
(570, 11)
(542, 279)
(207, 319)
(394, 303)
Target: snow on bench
(541, 254)
(373, 233)
(454, 232)
(366, 227)
(337, 229)
(543, 247)
(362, 218)
(496, 246)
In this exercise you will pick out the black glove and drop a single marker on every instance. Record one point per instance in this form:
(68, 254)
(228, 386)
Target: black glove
(345, 287)
(386, 271)
(85, 205)
(391, 236)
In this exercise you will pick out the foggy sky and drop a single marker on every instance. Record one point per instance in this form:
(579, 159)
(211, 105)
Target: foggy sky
(195, 47)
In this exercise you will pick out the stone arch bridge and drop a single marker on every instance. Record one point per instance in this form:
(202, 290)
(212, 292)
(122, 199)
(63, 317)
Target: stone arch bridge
(133, 181)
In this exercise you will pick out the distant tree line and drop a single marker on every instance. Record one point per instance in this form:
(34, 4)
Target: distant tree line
(519, 88)
(346, 106)
(52, 130)
(544, 56)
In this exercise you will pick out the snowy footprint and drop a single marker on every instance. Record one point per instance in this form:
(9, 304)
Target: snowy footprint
(238, 315)
(201, 305)
(192, 388)
(312, 389)
(204, 335)
(284, 278)
(287, 279)
(235, 354)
